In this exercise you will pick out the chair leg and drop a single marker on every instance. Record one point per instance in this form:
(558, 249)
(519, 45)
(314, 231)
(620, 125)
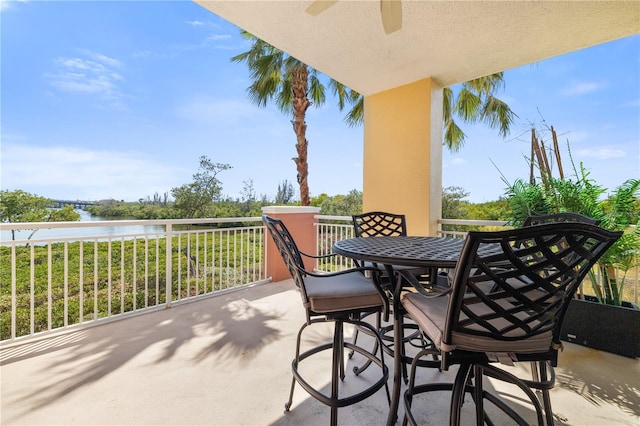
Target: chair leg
(546, 398)
(287, 405)
(535, 376)
(357, 370)
(524, 385)
(337, 347)
(296, 360)
(340, 345)
(478, 395)
(457, 395)
(355, 342)
(403, 351)
(419, 360)
(337, 367)
(408, 396)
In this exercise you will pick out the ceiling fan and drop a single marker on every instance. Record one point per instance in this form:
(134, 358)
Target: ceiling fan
(390, 10)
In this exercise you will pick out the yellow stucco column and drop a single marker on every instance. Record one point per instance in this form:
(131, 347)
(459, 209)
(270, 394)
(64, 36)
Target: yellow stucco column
(403, 154)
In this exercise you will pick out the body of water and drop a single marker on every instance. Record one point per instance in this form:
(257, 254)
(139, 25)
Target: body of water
(82, 232)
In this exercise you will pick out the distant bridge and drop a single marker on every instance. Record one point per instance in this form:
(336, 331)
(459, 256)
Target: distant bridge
(77, 204)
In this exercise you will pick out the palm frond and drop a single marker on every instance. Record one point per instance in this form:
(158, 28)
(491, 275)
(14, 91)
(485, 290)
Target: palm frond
(497, 114)
(355, 116)
(447, 104)
(624, 202)
(344, 94)
(468, 105)
(284, 98)
(454, 137)
(485, 86)
(316, 89)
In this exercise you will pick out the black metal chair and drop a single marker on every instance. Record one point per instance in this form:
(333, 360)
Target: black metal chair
(385, 224)
(559, 217)
(379, 224)
(551, 218)
(509, 295)
(340, 297)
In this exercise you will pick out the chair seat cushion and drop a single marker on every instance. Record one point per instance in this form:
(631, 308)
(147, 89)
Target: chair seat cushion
(340, 293)
(432, 324)
(430, 315)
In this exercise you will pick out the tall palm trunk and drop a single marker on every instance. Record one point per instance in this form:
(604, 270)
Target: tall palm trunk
(294, 87)
(300, 88)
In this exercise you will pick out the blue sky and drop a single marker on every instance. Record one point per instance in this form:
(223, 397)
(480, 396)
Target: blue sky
(120, 99)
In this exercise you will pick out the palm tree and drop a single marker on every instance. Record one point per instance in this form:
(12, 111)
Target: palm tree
(475, 102)
(294, 87)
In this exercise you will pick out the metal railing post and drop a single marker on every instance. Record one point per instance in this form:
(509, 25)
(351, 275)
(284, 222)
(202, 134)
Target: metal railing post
(169, 263)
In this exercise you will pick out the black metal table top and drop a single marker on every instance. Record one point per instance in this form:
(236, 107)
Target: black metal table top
(407, 251)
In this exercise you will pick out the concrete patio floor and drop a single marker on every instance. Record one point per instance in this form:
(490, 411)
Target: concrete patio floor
(226, 360)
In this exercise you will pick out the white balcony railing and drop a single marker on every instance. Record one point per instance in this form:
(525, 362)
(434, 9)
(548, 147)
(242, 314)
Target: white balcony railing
(49, 284)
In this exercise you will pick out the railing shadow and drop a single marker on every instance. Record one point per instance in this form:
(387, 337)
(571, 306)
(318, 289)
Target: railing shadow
(615, 386)
(609, 388)
(230, 327)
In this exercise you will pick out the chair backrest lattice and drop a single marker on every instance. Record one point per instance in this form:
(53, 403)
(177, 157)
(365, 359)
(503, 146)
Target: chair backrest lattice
(511, 288)
(379, 224)
(559, 217)
(562, 217)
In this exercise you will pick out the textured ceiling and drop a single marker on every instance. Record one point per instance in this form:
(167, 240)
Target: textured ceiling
(450, 41)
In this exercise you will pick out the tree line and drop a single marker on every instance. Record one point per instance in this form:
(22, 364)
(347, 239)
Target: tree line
(454, 206)
(203, 198)
(21, 206)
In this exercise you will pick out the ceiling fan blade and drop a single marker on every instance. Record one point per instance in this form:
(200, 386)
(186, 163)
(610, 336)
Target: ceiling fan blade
(391, 11)
(319, 6)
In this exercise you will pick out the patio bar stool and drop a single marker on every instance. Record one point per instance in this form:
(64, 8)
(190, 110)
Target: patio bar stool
(509, 295)
(385, 224)
(339, 298)
(536, 369)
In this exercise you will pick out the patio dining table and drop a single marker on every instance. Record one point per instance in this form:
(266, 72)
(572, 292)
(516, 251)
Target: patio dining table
(427, 252)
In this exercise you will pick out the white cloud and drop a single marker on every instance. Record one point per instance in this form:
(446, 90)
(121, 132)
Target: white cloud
(458, 161)
(80, 173)
(141, 54)
(103, 59)
(602, 153)
(8, 4)
(573, 136)
(580, 88)
(217, 37)
(195, 23)
(95, 74)
(632, 103)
